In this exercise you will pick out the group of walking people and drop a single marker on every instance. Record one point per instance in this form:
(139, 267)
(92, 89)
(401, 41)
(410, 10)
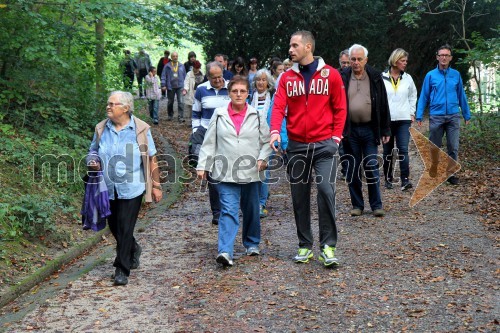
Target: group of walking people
(304, 112)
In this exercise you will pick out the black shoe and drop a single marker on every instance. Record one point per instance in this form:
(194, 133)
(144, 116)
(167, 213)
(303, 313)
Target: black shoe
(406, 185)
(215, 219)
(155, 122)
(135, 257)
(453, 180)
(120, 278)
(170, 118)
(389, 186)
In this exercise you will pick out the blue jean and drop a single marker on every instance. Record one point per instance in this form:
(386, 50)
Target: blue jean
(180, 102)
(361, 147)
(264, 190)
(234, 196)
(438, 126)
(400, 131)
(153, 109)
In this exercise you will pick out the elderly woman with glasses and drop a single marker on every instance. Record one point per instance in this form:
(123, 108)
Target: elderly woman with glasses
(263, 85)
(235, 152)
(123, 149)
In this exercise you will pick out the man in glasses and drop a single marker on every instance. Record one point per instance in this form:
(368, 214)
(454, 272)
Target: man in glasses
(344, 61)
(314, 95)
(207, 97)
(444, 93)
(369, 124)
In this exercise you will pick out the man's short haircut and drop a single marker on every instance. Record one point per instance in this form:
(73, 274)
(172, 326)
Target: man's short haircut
(151, 68)
(307, 37)
(445, 47)
(167, 53)
(238, 79)
(396, 55)
(357, 47)
(219, 55)
(225, 57)
(213, 64)
(345, 52)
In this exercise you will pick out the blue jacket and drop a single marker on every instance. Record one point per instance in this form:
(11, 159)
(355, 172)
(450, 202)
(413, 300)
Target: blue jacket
(167, 76)
(283, 132)
(443, 91)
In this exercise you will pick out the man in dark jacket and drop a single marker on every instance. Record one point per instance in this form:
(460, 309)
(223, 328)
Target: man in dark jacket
(368, 123)
(159, 69)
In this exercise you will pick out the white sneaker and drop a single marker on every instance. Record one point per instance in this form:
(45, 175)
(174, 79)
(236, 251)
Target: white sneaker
(224, 259)
(253, 251)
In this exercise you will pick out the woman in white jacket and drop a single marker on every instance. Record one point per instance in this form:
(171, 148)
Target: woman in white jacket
(235, 151)
(192, 80)
(402, 97)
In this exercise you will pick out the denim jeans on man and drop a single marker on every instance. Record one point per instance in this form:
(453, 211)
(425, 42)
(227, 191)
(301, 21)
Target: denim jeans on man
(153, 109)
(361, 147)
(234, 196)
(303, 158)
(180, 103)
(438, 126)
(400, 131)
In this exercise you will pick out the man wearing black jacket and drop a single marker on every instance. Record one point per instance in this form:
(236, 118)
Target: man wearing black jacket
(367, 125)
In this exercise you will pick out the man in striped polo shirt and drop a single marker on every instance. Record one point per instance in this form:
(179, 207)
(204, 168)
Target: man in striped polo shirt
(209, 96)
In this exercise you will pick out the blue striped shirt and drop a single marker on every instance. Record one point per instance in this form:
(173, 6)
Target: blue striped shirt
(206, 100)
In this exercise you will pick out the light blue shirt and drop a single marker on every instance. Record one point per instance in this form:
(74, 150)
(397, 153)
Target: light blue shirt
(121, 160)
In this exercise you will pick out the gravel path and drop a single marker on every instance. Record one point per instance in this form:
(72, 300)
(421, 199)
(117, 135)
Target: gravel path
(431, 268)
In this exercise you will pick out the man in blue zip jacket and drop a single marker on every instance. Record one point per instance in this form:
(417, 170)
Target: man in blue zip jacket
(444, 93)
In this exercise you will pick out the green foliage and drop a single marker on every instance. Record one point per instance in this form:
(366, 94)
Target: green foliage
(48, 98)
(263, 28)
(483, 136)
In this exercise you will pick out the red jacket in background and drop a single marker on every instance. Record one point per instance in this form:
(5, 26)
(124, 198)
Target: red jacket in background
(318, 115)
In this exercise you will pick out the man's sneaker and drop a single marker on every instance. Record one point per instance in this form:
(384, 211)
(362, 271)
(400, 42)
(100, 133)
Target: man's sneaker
(356, 212)
(224, 259)
(388, 185)
(135, 257)
(406, 185)
(327, 256)
(379, 212)
(453, 180)
(303, 255)
(253, 251)
(263, 211)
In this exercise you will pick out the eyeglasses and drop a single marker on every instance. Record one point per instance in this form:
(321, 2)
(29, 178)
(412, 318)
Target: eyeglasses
(444, 55)
(241, 91)
(358, 59)
(112, 105)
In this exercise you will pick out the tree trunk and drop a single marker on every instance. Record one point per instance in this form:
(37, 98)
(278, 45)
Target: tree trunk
(99, 63)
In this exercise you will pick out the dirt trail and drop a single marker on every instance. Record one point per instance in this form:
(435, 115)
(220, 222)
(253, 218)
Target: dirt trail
(431, 268)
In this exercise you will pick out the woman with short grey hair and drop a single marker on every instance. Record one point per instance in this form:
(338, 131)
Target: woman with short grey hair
(263, 92)
(128, 180)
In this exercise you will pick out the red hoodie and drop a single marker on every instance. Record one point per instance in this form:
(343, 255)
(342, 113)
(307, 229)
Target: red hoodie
(316, 116)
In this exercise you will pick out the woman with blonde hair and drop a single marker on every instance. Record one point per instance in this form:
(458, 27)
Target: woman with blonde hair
(402, 98)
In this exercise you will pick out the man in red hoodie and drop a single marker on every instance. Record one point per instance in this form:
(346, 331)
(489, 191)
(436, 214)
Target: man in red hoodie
(314, 94)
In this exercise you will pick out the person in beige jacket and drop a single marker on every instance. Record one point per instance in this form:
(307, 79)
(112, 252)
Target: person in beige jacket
(192, 80)
(236, 153)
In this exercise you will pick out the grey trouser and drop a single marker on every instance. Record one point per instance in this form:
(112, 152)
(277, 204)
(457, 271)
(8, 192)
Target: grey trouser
(303, 158)
(438, 126)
